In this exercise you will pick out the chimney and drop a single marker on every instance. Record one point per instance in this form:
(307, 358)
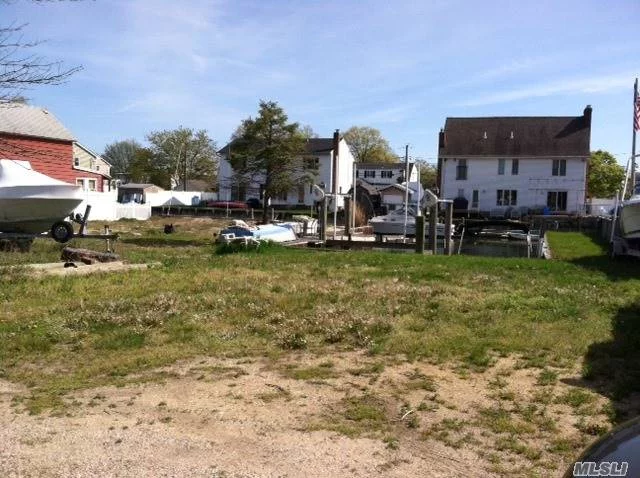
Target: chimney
(336, 149)
(442, 139)
(587, 115)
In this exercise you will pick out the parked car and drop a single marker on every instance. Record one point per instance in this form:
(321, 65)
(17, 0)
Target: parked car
(615, 454)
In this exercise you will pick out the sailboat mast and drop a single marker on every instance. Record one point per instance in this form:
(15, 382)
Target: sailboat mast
(636, 124)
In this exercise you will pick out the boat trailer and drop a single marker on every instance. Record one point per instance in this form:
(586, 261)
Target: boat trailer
(62, 232)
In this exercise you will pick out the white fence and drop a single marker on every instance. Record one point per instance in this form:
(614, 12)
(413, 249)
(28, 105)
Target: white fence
(105, 206)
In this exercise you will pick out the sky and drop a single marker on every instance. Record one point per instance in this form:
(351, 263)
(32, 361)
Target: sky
(399, 66)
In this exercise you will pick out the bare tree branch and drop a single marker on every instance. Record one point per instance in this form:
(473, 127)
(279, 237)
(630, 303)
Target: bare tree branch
(21, 70)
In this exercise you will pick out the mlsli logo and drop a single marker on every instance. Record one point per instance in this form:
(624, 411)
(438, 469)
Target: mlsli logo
(604, 468)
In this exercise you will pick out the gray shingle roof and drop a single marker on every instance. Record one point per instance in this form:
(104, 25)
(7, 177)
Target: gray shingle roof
(139, 186)
(29, 120)
(517, 136)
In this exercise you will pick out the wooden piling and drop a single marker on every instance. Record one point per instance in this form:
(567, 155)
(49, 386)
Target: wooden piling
(448, 224)
(420, 234)
(433, 229)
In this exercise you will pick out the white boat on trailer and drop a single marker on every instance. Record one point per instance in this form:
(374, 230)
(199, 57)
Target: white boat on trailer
(33, 203)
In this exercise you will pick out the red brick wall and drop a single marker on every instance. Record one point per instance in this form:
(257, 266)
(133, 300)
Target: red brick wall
(47, 156)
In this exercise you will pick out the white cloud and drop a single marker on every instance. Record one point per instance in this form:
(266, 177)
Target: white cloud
(596, 84)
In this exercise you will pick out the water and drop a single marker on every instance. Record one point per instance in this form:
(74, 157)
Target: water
(498, 248)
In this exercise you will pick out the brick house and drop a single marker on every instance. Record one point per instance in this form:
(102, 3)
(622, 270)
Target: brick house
(30, 133)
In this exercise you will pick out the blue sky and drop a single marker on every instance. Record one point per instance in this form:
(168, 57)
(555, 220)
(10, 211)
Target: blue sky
(398, 66)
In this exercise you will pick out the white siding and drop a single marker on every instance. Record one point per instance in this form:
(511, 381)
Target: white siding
(533, 181)
(397, 173)
(325, 170)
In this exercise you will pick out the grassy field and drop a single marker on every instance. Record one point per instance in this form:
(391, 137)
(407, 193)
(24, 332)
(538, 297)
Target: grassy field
(576, 312)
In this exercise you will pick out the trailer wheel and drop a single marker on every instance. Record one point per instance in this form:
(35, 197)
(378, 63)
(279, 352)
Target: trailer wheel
(62, 232)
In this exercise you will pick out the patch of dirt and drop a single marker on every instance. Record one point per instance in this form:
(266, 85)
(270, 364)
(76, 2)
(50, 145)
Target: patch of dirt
(250, 418)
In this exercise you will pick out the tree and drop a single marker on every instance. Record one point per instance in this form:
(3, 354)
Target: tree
(270, 151)
(184, 154)
(143, 168)
(120, 155)
(605, 175)
(428, 175)
(21, 69)
(368, 146)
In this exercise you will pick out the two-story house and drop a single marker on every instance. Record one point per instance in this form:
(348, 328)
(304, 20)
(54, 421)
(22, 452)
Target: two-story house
(332, 160)
(389, 182)
(33, 134)
(86, 161)
(516, 163)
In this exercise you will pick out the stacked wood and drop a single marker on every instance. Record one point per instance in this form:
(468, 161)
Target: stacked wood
(86, 256)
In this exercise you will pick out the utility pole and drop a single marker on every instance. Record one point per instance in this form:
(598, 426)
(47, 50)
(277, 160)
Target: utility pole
(184, 185)
(406, 187)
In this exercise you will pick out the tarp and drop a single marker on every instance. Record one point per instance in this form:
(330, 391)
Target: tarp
(20, 173)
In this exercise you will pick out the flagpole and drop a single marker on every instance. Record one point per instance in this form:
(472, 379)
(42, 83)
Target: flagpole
(633, 142)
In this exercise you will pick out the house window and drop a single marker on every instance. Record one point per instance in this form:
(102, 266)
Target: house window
(301, 193)
(501, 166)
(281, 196)
(80, 182)
(461, 170)
(97, 167)
(76, 161)
(386, 174)
(368, 173)
(515, 167)
(559, 167)
(507, 197)
(357, 173)
(238, 192)
(91, 184)
(311, 163)
(557, 200)
(474, 198)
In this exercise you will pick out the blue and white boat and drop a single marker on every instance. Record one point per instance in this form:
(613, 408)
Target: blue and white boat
(265, 232)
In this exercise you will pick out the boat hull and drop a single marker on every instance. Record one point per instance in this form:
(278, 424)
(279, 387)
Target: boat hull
(630, 219)
(266, 232)
(34, 209)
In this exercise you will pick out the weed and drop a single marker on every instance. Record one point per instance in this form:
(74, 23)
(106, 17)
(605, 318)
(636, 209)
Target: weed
(311, 373)
(575, 398)
(547, 377)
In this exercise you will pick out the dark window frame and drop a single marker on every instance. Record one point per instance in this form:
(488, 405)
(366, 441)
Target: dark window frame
(462, 170)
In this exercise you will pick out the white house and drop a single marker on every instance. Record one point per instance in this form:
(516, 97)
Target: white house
(334, 163)
(388, 180)
(516, 163)
(384, 174)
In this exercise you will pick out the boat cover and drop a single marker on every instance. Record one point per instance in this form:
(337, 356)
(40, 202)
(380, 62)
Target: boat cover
(20, 173)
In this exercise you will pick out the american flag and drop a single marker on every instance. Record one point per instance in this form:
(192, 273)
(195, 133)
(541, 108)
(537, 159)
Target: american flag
(636, 116)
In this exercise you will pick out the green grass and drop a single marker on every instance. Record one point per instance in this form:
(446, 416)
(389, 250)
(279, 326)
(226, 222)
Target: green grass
(321, 372)
(61, 334)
